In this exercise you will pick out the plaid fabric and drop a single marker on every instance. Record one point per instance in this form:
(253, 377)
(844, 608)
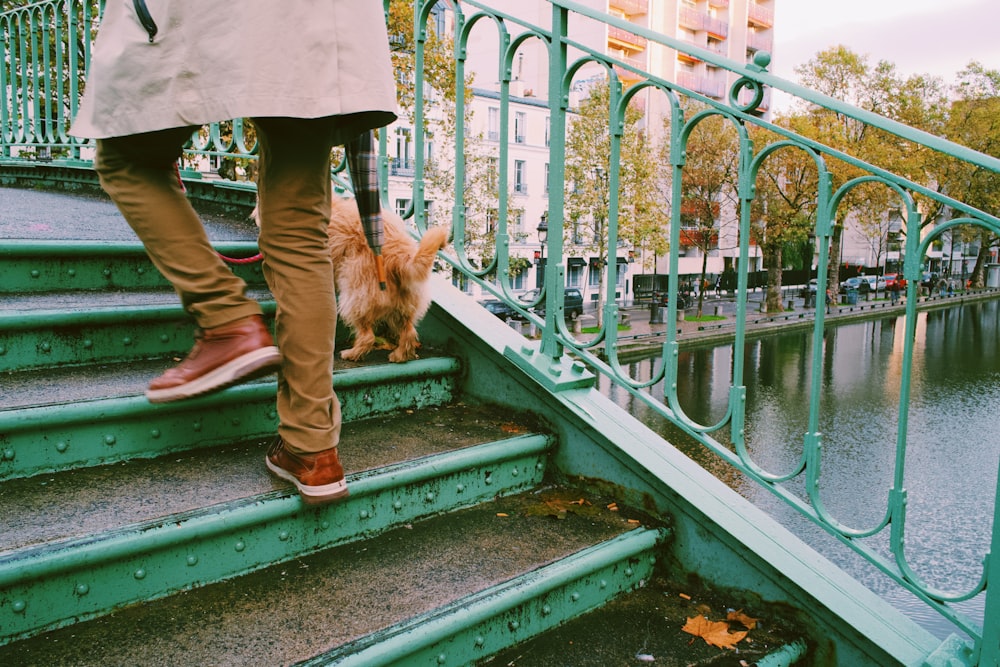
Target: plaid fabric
(362, 162)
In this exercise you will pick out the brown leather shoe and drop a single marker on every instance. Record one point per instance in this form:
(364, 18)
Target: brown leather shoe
(221, 357)
(319, 477)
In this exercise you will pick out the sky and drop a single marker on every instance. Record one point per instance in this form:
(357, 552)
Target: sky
(919, 36)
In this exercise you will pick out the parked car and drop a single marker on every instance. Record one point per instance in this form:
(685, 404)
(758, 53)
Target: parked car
(894, 280)
(851, 283)
(501, 309)
(572, 302)
(872, 283)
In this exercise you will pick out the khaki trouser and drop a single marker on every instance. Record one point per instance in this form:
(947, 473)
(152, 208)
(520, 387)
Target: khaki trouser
(139, 173)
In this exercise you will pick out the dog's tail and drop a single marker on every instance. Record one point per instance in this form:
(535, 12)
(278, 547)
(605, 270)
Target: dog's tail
(419, 267)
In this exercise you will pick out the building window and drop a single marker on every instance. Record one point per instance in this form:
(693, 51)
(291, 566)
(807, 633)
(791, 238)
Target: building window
(520, 127)
(491, 221)
(548, 129)
(518, 223)
(401, 206)
(546, 187)
(492, 170)
(493, 124)
(517, 281)
(574, 275)
(520, 178)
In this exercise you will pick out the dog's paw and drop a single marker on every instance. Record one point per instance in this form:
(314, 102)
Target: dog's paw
(399, 355)
(353, 354)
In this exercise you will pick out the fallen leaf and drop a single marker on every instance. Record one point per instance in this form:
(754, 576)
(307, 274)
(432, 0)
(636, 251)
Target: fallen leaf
(740, 617)
(685, 596)
(512, 428)
(613, 507)
(634, 521)
(502, 514)
(715, 633)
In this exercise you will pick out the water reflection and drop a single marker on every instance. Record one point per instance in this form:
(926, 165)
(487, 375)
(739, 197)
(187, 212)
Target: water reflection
(951, 458)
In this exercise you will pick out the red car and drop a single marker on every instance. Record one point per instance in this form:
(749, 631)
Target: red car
(894, 281)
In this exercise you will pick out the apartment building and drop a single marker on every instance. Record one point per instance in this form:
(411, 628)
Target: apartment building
(735, 29)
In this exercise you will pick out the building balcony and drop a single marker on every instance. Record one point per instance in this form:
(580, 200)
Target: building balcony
(623, 39)
(760, 41)
(717, 28)
(760, 15)
(401, 167)
(700, 84)
(719, 4)
(692, 19)
(630, 7)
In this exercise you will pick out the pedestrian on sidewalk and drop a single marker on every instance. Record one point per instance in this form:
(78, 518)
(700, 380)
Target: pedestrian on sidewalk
(311, 76)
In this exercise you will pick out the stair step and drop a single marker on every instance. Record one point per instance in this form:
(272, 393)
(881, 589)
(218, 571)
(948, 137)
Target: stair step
(39, 266)
(508, 551)
(68, 579)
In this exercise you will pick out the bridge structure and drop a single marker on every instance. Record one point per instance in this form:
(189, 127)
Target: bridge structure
(85, 317)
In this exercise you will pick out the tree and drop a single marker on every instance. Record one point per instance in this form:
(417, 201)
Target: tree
(709, 182)
(783, 210)
(974, 121)
(641, 215)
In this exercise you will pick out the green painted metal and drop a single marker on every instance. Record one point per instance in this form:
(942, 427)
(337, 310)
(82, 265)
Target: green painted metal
(46, 338)
(483, 624)
(50, 266)
(784, 656)
(25, 123)
(67, 436)
(65, 582)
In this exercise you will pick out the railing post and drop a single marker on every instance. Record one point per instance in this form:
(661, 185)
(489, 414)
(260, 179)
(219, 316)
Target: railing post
(988, 650)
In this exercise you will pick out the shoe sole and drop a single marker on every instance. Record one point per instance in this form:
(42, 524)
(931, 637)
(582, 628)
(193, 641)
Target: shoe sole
(246, 367)
(311, 495)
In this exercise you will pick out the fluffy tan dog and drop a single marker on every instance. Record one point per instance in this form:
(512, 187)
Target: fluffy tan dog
(395, 311)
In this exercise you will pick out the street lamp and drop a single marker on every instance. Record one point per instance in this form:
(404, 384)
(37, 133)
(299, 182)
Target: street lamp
(543, 236)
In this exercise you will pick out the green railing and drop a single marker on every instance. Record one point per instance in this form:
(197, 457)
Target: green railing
(46, 46)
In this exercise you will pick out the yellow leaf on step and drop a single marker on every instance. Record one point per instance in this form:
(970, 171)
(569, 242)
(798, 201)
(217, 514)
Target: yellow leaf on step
(715, 633)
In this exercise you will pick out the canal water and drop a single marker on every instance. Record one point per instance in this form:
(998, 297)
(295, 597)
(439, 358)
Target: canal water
(952, 455)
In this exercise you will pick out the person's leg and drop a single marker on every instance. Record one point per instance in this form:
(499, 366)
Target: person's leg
(293, 189)
(139, 173)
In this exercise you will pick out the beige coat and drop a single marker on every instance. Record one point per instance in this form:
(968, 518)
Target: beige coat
(212, 60)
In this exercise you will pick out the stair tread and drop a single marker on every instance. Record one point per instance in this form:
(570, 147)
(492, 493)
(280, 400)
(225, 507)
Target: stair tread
(99, 299)
(310, 605)
(85, 501)
(61, 385)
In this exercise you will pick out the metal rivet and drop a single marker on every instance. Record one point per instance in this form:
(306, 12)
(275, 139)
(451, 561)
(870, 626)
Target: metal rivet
(82, 589)
(71, 272)
(61, 446)
(480, 640)
(87, 343)
(141, 270)
(236, 421)
(109, 440)
(514, 472)
(154, 433)
(19, 606)
(107, 272)
(240, 546)
(192, 560)
(283, 535)
(629, 572)
(574, 597)
(546, 610)
(45, 347)
(272, 415)
(429, 497)
(196, 426)
(324, 525)
(363, 514)
(8, 454)
(35, 273)
(489, 479)
(513, 625)
(3, 349)
(139, 574)
(126, 340)
(369, 399)
(539, 465)
(164, 338)
(460, 488)
(442, 658)
(397, 395)
(604, 583)
(398, 505)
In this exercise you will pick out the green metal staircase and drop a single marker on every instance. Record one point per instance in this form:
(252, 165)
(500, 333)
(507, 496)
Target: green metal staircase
(142, 534)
